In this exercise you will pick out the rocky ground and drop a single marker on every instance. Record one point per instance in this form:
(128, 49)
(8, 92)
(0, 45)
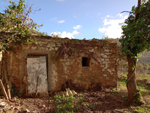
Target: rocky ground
(104, 101)
(107, 101)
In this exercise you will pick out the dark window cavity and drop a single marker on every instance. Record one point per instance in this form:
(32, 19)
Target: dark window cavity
(85, 62)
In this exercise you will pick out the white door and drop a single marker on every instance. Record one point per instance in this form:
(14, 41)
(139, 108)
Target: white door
(37, 69)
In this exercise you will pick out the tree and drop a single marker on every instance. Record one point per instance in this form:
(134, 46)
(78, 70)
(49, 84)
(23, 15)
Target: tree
(135, 39)
(16, 26)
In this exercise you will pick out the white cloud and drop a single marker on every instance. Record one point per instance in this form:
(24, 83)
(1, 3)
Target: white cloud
(77, 27)
(75, 32)
(61, 21)
(60, 0)
(120, 14)
(64, 34)
(111, 27)
(108, 16)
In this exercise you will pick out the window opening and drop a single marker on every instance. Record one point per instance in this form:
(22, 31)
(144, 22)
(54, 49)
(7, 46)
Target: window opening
(85, 62)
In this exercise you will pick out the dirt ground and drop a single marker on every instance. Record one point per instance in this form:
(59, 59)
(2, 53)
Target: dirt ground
(106, 101)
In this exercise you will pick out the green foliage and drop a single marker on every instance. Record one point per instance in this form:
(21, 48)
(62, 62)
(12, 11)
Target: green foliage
(122, 82)
(145, 92)
(77, 108)
(133, 68)
(136, 32)
(141, 109)
(16, 25)
(115, 91)
(142, 86)
(142, 76)
(65, 104)
(91, 107)
(137, 97)
(81, 98)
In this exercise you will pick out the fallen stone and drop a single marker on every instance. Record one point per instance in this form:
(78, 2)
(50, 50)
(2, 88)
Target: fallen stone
(68, 92)
(27, 111)
(2, 104)
(73, 92)
(118, 110)
(10, 111)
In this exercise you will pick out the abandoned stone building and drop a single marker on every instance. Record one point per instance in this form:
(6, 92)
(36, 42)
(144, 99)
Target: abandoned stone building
(55, 63)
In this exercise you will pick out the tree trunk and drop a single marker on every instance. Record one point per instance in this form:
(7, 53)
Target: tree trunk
(133, 92)
(137, 14)
(139, 2)
(131, 80)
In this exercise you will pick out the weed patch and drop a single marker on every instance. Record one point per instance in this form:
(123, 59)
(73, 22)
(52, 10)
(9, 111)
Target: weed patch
(65, 104)
(141, 109)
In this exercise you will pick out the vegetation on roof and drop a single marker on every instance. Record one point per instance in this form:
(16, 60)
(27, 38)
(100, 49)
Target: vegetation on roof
(16, 24)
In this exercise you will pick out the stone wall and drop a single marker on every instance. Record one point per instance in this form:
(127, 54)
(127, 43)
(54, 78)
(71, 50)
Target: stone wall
(66, 71)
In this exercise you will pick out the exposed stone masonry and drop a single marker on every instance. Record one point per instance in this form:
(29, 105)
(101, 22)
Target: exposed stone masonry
(63, 69)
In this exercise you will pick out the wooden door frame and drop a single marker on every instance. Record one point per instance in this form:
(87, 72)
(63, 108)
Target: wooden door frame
(26, 74)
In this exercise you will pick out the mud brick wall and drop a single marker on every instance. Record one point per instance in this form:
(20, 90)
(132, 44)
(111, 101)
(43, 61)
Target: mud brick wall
(66, 71)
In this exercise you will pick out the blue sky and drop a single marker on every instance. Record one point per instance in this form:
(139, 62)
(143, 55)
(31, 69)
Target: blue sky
(79, 19)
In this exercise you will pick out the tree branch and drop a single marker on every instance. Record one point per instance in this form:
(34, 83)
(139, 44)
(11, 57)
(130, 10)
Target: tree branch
(125, 11)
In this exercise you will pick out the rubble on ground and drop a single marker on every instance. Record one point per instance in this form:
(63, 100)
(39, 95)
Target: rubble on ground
(68, 92)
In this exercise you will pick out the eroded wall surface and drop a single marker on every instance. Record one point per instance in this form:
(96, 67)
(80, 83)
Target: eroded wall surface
(66, 71)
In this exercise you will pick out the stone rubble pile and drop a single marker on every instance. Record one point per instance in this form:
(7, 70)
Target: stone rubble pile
(68, 92)
(7, 107)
